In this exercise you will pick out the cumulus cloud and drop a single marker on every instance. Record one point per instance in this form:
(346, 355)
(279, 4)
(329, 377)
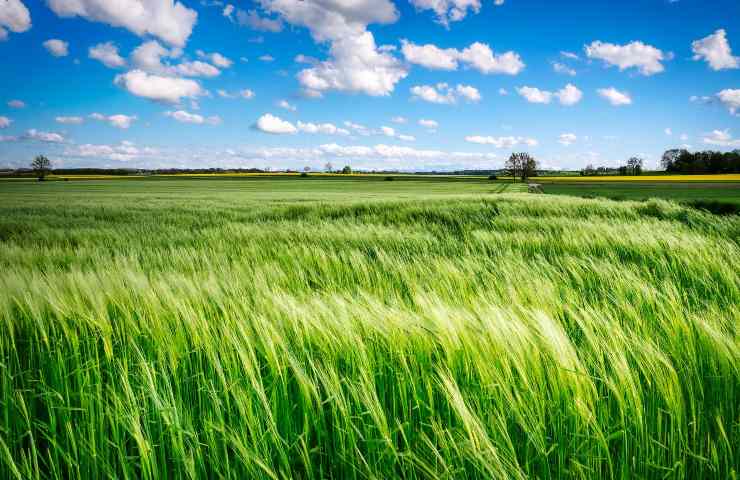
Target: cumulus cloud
(568, 95)
(501, 142)
(5, 122)
(119, 120)
(731, 99)
(399, 120)
(645, 58)
(158, 88)
(17, 104)
(716, 51)
(48, 137)
(69, 120)
(615, 97)
(324, 128)
(567, 139)
(168, 20)
(185, 117)
(721, 138)
(448, 11)
(14, 16)
(216, 59)
(428, 124)
(443, 93)
(275, 125)
(122, 152)
(284, 104)
(247, 94)
(58, 48)
(253, 20)
(563, 69)
(107, 54)
(478, 56)
(149, 57)
(391, 132)
(356, 64)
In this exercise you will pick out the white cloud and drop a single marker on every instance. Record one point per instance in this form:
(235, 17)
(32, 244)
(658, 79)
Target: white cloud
(119, 121)
(107, 54)
(48, 137)
(564, 69)
(148, 57)
(715, 49)
(270, 124)
(123, 152)
(5, 122)
(721, 138)
(356, 64)
(503, 92)
(69, 120)
(216, 59)
(284, 104)
(186, 117)
(535, 95)
(428, 124)
(450, 10)
(228, 12)
(323, 128)
(442, 93)
(399, 120)
(684, 137)
(267, 58)
(391, 132)
(196, 69)
(253, 20)
(478, 56)
(14, 16)
(501, 142)
(17, 104)
(569, 55)
(645, 58)
(58, 48)
(569, 95)
(158, 88)
(567, 139)
(614, 96)
(430, 56)
(668, 132)
(168, 20)
(731, 99)
(246, 94)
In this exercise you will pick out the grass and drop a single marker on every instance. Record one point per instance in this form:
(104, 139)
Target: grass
(716, 197)
(179, 328)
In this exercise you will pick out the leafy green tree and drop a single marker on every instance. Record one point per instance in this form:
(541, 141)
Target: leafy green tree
(347, 170)
(41, 167)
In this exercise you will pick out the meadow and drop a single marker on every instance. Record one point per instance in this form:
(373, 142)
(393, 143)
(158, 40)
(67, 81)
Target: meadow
(329, 328)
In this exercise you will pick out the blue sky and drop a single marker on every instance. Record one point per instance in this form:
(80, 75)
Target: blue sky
(377, 84)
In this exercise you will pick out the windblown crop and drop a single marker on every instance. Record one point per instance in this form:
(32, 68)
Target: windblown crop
(179, 331)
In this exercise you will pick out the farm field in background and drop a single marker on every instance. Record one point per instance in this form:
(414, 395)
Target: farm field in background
(336, 328)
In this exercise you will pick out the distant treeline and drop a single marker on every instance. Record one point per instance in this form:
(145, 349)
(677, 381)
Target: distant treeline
(683, 161)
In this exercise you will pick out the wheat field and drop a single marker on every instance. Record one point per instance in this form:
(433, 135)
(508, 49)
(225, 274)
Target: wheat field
(420, 330)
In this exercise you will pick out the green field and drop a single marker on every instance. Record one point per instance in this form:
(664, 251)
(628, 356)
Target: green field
(310, 328)
(724, 197)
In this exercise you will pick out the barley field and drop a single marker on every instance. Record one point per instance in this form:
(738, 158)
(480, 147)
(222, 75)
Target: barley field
(331, 329)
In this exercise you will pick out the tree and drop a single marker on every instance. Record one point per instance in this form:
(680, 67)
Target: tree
(670, 158)
(328, 167)
(521, 165)
(634, 165)
(41, 167)
(347, 170)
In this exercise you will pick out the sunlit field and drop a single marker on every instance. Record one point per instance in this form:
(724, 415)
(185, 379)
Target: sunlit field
(309, 328)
